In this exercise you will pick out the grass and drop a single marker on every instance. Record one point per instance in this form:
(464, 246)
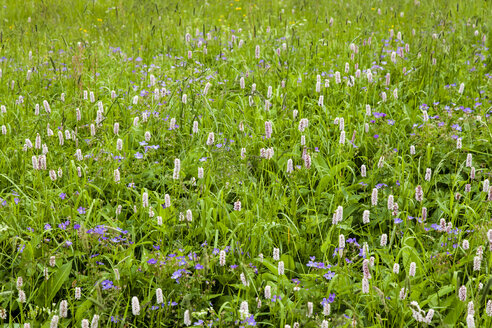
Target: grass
(111, 214)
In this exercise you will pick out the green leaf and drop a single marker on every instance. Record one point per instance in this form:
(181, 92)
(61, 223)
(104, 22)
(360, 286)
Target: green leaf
(49, 288)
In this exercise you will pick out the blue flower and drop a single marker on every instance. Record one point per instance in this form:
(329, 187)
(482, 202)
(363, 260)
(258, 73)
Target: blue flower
(329, 275)
(330, 299)
(107, 284)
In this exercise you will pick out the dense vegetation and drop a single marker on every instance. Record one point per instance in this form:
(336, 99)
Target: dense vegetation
(245, 163)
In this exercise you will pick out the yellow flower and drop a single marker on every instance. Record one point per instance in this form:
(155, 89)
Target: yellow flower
(99, 20)
(238, 8)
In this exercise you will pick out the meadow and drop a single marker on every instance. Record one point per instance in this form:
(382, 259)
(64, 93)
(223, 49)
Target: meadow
(245, 163)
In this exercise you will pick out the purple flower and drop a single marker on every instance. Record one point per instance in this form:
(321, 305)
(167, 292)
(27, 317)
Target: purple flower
(47, 226)
(63, 195)
(81, 210)
(398, 220)
(107, 284)
(376, 136)
(330, 299)
(329, 275)
(152, 261)
(198, 266)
